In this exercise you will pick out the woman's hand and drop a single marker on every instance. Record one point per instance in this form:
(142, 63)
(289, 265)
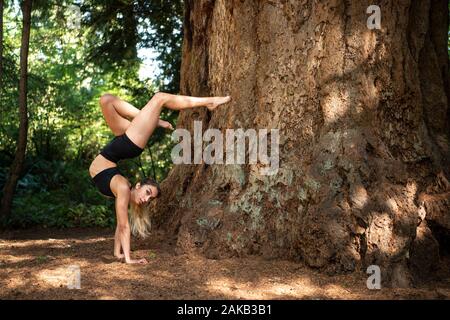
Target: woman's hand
(139, 261)
(165, 124)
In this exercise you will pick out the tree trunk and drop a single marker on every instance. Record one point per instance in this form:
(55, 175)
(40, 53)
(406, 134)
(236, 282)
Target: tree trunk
(17, 165)
(364, 134)
(1, 44)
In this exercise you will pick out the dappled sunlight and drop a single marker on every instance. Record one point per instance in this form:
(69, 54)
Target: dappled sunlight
(55, 277)
(335, 106)
(263, 289)
(56, 243)
(391, 203)
(382, 233)
(359, 197)
(169, 276)
(359, 113)
(108, 297)
(298, 287)
(8, 258)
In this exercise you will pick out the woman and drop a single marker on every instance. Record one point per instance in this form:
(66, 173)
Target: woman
(131, 138)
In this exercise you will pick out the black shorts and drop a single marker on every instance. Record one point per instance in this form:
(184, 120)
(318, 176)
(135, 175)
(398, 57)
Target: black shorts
(102, 181)
(121, 147)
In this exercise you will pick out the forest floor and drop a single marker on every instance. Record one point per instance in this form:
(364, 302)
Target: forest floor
(34, 264)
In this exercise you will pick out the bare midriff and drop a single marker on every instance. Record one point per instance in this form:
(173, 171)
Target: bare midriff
(99, 164)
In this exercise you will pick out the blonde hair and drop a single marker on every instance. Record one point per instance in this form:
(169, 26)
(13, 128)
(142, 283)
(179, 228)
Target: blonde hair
(140, 220)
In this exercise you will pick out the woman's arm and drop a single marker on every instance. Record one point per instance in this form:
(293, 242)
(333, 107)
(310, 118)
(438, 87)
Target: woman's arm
(123, 226)
(117, 245)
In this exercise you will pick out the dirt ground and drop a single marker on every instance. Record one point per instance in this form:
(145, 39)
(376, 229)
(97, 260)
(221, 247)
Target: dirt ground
(34, 264)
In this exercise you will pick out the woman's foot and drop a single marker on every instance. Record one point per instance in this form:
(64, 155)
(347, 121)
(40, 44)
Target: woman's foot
(165, 124)
(217, 101)
(137, 261)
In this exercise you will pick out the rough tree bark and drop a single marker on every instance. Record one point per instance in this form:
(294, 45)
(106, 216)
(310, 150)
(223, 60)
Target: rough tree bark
(16, 167)
(1, 44)
(364, 134)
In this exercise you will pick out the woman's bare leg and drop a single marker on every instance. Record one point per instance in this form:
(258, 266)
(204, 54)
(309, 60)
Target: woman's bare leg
(125, 109)
(179, 102)
(116, 112)
(143, 125)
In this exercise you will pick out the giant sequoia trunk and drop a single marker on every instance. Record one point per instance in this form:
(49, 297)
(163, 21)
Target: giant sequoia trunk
(364, 134)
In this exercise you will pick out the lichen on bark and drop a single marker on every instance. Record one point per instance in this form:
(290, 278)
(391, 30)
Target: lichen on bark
(364, 134)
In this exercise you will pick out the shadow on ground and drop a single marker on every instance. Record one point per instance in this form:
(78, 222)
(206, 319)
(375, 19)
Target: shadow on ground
(34, 264)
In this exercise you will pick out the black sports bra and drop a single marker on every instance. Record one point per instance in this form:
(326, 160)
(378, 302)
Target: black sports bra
(102, 181)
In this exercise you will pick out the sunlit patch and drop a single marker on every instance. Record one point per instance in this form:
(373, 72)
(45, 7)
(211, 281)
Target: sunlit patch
(300, 287)
(411, 190)
(13, 283)
(50, 243)
(392, 204)
(359, 197)
(106, 297)
(8, 258)
(335, 106)
(60, 277)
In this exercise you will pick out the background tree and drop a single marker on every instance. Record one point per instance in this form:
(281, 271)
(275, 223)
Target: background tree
(1, 43)
(66, 127)
(17, 165)
(118, 29)
(364, 125)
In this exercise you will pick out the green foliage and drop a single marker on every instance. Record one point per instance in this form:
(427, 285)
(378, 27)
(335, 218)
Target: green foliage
(55, 209)
(69, 69)
(59, 194)
(42, 259)
(117, 27)
(151, 255)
